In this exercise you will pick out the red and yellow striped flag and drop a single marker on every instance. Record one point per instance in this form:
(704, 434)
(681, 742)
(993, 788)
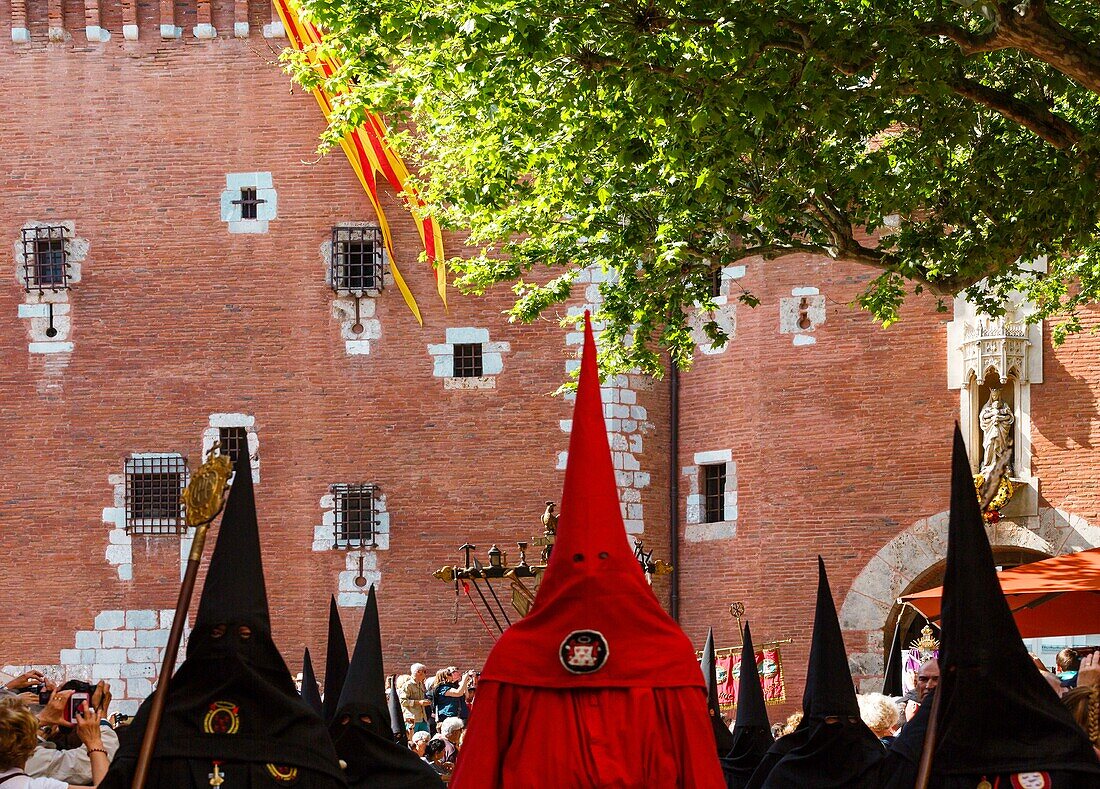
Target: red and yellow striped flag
(370, 154)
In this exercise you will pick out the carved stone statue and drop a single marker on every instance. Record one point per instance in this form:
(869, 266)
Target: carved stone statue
(996, 421)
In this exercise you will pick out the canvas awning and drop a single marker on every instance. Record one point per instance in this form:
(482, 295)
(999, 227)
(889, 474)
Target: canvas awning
(1055, 597)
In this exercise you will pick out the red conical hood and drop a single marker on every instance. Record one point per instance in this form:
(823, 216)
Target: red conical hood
(595, 621)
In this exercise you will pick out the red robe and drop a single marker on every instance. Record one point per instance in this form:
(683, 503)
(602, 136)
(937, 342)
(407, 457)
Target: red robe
(618, 738)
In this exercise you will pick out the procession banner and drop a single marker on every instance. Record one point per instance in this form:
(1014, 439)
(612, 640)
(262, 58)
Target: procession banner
(769, 665)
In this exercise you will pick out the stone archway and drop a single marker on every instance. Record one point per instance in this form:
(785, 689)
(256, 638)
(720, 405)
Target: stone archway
(868, 606)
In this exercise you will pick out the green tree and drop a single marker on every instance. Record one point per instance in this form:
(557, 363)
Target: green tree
(948, 145)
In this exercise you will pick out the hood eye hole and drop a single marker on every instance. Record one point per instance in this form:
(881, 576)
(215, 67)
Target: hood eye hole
(578, 557)
(603, 554)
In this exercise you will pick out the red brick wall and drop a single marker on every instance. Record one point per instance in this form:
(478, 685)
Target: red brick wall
(176, 319)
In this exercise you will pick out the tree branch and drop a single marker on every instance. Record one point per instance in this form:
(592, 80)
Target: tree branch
(1037, 119)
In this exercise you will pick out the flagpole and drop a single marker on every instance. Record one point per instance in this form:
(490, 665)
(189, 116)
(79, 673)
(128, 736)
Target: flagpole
(203, 500)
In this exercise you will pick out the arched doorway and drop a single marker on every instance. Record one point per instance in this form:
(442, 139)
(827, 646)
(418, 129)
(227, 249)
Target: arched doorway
(1006, 557)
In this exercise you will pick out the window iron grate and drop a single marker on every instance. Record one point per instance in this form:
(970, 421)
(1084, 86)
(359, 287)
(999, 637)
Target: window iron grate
(154, 494)
(714, 498)
(249, 202)
(468, 360)
(357, 260)
(232, 441)
(45, 258)
(356, 522)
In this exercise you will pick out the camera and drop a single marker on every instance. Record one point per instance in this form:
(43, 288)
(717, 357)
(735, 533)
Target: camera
(77, 703)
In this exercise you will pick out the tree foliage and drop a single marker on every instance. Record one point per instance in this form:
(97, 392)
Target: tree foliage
(948, 145)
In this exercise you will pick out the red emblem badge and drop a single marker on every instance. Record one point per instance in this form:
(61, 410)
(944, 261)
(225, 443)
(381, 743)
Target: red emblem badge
(583, 652)
(1031, 781)
(222, 718)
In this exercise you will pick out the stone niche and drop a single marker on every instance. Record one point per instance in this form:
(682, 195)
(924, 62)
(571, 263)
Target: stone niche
(1002, 354)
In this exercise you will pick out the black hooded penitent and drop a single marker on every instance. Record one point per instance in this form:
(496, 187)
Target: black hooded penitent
(998, 716)
(832, 747)
(891, 682)
(336, 662)
(361, 729)
(310, 694)
(723, 738)
(397, 714)
(232, 701)
(752, 735)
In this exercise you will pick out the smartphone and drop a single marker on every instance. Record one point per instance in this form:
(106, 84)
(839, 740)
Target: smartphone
(77, 702)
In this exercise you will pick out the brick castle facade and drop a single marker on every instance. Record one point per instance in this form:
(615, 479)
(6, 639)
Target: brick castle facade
(137, 133)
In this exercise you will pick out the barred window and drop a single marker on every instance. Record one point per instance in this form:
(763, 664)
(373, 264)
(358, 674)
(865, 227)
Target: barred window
(716, 282)
(357, 260)
(45, 265)
(714, 493)
(356, 519)
(232, 442)
(154, 494)
(249, 202)
(468, 360)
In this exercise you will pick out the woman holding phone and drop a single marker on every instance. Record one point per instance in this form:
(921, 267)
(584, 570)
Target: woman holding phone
(19, 737)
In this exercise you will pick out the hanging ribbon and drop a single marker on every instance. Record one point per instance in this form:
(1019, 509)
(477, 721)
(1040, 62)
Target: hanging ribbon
(370, 153)
(473, 605)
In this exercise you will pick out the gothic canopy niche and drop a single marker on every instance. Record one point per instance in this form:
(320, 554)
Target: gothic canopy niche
(993, 361)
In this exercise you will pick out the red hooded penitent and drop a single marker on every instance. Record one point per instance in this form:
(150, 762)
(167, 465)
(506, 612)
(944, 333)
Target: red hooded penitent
(597, 686)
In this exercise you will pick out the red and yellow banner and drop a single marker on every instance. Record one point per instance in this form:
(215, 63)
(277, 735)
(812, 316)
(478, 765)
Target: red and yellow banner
(769, 664)
(371, 155)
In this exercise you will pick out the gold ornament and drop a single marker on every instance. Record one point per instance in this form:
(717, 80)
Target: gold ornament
(202, 498)
(1005, 490)
(926, 645)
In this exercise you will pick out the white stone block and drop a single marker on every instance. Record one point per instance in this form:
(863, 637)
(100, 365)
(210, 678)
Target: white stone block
(109, 671)
(126, 572)
(351, 600)
(637, 412)
(634, 527)
(274, 30)
(443, 366)
(142, 655)
(804, 339)
(563, 457)
(624, 479)
(467, 335)
(34, 311)
(634, 511)
(106, 656)
(566, 425)
(641, 479)
(630, 463)
(705, 532)
(141, 619)
(800, 292)
(240, 29)
(205, 30)
(118, 537)
(492, 363)
(20, 35)
(87, 656)
(110, 620)
(357, 347)
(628, 396)
(151, 638)
(440, 349)
(139, 687)
(139, 670)
(712, 457)
(50, 347)
(167, 616)
(232, 420)
(130, 32)
(630, 495)
(87, 639)
(170, 31)
(119, 638)
(70, 656)
(630, 426)
(118, 554)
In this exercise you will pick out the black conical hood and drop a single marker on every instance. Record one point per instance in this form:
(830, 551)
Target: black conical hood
(829, 688)
(336, 662)
(397, 715)
(364, 686)
(891, 683)
(998, 714)
(723, 738)
(234, 591)
(752, 736)
(310, 694)
(751, 709)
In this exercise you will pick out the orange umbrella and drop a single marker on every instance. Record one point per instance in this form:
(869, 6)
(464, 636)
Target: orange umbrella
(1055, 597)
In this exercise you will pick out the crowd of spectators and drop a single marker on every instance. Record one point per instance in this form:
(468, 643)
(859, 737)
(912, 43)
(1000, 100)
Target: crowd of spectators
(436, 709)
(54, 737)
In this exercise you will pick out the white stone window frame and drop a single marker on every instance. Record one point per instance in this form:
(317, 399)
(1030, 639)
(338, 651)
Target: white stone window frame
(343, 304)
(324, 535)
(248, 422)
(791, 311)
(724, 314)
(697, 529)
(35, 306)
(265, 211)
(492, 358)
